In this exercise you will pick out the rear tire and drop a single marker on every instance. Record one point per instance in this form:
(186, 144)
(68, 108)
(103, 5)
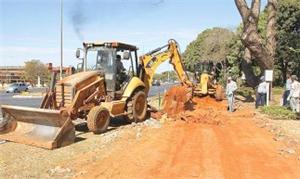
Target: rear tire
(98, 119)
(137, 107)
(7, 124)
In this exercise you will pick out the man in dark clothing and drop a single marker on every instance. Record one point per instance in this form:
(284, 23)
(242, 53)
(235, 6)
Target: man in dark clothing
(121, 74)
(120, 66)
(287, 90)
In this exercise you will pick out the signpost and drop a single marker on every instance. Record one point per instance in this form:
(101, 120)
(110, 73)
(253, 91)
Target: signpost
(269, 80)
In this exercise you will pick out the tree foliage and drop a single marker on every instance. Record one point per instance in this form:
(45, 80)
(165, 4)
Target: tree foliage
(234, 56)
(287, 28)
(165, 76)
(35, 68)
(288, 35)
(210, 45)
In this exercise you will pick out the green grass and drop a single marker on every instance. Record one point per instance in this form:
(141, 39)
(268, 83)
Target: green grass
(248, 91)
(277, 91)
(278, 112)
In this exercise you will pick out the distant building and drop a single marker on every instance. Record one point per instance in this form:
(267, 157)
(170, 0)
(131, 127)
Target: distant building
(66, 70)
(11, 74)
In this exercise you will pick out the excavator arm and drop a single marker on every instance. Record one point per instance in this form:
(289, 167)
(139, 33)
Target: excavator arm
(151, 61)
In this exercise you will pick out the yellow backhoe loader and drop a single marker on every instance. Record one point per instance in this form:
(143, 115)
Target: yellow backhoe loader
(101, 90)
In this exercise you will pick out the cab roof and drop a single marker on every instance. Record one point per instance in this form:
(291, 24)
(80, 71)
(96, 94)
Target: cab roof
(118, 45)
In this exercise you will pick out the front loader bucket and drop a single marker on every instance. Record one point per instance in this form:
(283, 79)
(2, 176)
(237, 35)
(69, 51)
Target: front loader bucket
(38, 127)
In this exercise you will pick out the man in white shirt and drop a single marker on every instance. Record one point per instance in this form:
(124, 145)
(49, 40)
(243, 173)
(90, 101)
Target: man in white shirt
(230, 89)
(294, 94)
(261, 95)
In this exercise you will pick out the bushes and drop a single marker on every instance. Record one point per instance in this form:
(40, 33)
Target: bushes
(245, 91)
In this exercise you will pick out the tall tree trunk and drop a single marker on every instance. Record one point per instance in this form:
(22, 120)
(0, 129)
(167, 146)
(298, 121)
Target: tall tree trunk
(246, 64)
(271, 30)
(262, 53)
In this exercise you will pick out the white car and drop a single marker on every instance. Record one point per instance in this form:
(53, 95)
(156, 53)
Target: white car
(16, 88)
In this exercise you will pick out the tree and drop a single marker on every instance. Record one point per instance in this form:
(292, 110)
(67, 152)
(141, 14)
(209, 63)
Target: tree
(235, 54)
(288, 30)
(210, 45)
(35, 68)
(257, 50)
(165, 76)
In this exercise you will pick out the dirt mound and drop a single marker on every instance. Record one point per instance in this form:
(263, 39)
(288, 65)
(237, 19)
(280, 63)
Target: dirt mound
(205, 110)
(176, 100)
(202, 116)
(179, 106)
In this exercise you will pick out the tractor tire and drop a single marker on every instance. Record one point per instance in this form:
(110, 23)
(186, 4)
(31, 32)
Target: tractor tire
(137, 107)
(98, 119)
(219, 93)
(7, 126)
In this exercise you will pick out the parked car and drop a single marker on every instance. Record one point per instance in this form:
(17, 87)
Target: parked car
(16, 87)
(156, 83)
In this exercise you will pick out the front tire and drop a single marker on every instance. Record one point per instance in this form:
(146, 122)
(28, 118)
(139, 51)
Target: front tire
(98, 119)
(137, 107)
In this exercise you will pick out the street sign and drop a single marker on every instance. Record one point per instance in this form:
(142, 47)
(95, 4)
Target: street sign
(269, 75)
(269, 79)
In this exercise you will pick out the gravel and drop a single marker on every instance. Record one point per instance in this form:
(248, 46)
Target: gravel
(152, 123)
(287, 150)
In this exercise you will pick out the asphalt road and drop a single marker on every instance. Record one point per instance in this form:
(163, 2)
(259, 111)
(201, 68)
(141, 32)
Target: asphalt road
(6, 98)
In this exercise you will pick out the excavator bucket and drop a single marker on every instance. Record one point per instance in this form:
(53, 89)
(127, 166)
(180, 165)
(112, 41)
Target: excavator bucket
(37, 127)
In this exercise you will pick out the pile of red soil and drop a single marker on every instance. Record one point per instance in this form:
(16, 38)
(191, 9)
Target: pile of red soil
(205, 110)
(201, 116)
(179, 106)
(176, 100)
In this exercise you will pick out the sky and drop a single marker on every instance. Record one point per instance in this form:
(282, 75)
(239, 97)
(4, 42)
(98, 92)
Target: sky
(30, 29)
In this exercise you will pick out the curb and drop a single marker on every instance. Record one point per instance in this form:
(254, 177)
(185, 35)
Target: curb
(26, 97)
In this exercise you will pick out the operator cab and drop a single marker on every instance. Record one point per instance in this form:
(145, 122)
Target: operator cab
(117, 62)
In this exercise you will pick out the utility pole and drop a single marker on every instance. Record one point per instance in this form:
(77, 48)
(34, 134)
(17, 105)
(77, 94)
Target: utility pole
(61, 39)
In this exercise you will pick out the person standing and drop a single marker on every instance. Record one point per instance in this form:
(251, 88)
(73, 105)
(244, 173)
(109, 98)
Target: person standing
(286, 93)
(294, 94)
(261, 95)
(231, 87)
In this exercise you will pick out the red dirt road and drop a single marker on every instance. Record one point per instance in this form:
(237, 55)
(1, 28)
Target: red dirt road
(236, 148)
